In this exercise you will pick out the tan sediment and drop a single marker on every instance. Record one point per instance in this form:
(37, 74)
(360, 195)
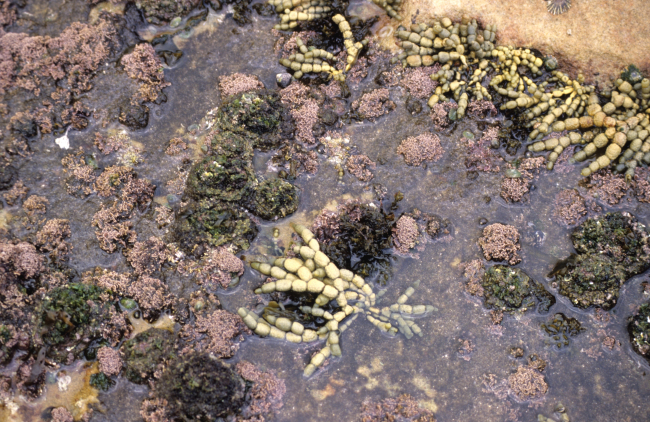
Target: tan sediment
(605, 35)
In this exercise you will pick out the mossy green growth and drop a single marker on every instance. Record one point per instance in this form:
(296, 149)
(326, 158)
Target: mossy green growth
(101, 382)
(258, 116)
(639, 329)
(220, 177)
(229, 144)
(618, 236)
(274, 198)
(199, 387)
(145, 352)
(72, 316)
(215, 223)
(510, 289)
(610, 250)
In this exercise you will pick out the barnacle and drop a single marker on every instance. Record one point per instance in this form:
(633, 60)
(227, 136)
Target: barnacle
(557, 7)
(336, 298)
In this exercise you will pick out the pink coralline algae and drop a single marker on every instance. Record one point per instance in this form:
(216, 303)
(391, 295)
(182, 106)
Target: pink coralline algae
(418, 82)
(303, 109)
(406, 234)
(237, 83)
(218, 332)
(110, 362)
(360, 166)
(500, 242)
(266, 393)
(374, 104)
(417, 150)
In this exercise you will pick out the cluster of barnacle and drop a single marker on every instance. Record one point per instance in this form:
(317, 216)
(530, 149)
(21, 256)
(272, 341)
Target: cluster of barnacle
(294, 11)
(556, 104)
(561, 328)
(340, 296)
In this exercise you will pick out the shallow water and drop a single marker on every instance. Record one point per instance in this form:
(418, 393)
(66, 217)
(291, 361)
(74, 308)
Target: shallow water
(601, 385)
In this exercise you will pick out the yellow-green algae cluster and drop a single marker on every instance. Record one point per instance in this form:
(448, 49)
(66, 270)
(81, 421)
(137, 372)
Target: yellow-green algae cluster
(546, 103)
(337, 297)
(312, 60)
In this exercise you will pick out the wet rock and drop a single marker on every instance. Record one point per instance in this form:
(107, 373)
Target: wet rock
(510, 289)
(145, 353)
(7, 176)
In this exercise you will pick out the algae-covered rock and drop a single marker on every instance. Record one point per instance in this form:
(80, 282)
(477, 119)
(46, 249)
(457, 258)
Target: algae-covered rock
(258, 116)
(274, 198)
(510, 289)
(591, 280)
(610, 250)
(639, 329)
(618, 236)
(220, 177)
(72, 317)
(199, 387)
(145, 352)
(216, 223)
(231, 144)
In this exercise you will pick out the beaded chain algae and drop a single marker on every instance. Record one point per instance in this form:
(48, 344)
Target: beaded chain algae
(546, 103)
(389, 351)
(316, 275)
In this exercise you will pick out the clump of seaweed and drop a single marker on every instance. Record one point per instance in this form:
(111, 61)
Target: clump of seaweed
(358, 237)
(609, 250)
(71, 317)
(560, 329)
(333, 298)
